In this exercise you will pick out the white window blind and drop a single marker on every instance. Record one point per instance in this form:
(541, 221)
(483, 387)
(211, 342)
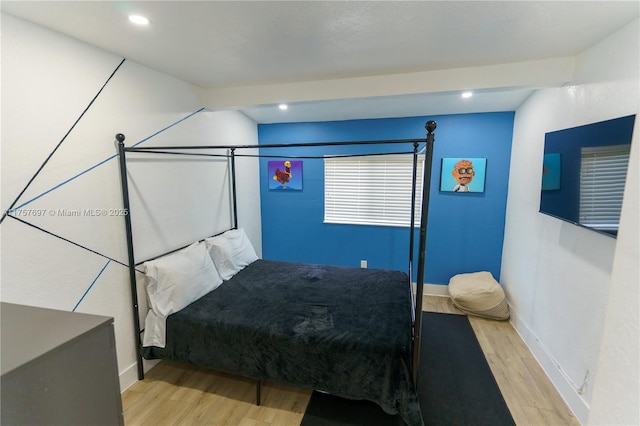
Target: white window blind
(373, 190)
(603, 173)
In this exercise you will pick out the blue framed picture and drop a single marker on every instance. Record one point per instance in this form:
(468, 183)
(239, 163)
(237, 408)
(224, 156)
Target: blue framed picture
(285, 175)
(463, 174)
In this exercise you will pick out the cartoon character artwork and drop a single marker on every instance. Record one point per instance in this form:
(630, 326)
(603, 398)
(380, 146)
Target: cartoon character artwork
(463, 174)
(285, 175)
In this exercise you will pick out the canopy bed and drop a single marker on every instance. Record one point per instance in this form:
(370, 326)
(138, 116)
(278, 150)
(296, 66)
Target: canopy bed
(351, 332)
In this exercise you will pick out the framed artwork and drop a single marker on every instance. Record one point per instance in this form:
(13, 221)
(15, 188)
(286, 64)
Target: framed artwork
(463, 174)
(551, 172)
(285, 175)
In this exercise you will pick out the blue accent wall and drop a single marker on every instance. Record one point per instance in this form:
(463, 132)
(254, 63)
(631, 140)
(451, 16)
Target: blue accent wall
(465, 231)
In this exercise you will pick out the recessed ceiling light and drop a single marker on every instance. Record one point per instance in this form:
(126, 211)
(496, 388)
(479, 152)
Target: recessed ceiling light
(283, 107)
(467, 94)
(138, 20)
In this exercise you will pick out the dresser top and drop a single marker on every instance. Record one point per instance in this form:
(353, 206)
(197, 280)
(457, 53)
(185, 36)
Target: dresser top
(29, 332)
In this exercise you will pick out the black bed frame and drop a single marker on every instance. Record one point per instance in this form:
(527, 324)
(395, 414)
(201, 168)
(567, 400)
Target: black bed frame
(430, 126)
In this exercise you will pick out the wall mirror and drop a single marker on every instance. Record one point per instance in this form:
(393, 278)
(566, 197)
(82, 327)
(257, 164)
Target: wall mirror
(584, 172)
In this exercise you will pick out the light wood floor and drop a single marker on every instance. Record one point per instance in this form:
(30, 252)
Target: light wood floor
(176, 394)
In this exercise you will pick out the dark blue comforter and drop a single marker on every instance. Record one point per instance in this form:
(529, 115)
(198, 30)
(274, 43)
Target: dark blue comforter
(345, 331)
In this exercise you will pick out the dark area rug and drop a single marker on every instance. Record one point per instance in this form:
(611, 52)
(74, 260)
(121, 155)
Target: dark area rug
(455, 384)
(329, 410)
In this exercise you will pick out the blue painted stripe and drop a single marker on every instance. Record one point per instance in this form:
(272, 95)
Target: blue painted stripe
(64, 183)
(101, 163)
(168, 127)
(88, 289)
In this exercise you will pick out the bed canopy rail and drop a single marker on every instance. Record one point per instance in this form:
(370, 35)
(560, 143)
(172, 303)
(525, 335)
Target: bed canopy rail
(283, 145)
(231, 155)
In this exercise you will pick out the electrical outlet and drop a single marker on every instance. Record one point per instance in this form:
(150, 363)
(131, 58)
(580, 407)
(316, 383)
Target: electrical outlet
(363, 263)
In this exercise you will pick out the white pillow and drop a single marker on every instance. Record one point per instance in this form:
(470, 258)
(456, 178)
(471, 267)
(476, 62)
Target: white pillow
(231, 252)
(175, 281)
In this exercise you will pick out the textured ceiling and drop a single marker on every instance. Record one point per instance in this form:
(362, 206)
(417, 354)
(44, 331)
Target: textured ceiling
(218, 46)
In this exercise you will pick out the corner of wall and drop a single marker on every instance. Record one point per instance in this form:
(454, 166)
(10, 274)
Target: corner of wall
(129, 376)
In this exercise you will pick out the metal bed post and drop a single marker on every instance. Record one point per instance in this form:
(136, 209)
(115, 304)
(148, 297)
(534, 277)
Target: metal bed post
(232, 156)
(412, 227)
(233, 188)
(426, 182)
(413, 201)
(132, 267)
(258, 388)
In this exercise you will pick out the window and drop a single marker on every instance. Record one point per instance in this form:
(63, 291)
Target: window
(371, 190)
(603, 173)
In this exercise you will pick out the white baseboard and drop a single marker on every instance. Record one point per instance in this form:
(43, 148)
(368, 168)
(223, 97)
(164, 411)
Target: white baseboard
(440, 290)
(559, 379)
(436, 290)
(130, 375)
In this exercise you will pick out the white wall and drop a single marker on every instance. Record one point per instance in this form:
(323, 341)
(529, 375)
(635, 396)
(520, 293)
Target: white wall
(560, 277)
(47, 81)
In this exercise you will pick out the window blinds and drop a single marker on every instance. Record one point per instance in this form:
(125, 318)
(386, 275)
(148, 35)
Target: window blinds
(603, 173)
(371, 190)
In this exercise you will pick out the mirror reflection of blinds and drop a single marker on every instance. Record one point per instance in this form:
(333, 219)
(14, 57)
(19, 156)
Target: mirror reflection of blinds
(603, 173)
(371, 190)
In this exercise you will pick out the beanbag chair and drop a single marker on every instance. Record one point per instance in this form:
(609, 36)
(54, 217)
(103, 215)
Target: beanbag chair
(479, 294)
